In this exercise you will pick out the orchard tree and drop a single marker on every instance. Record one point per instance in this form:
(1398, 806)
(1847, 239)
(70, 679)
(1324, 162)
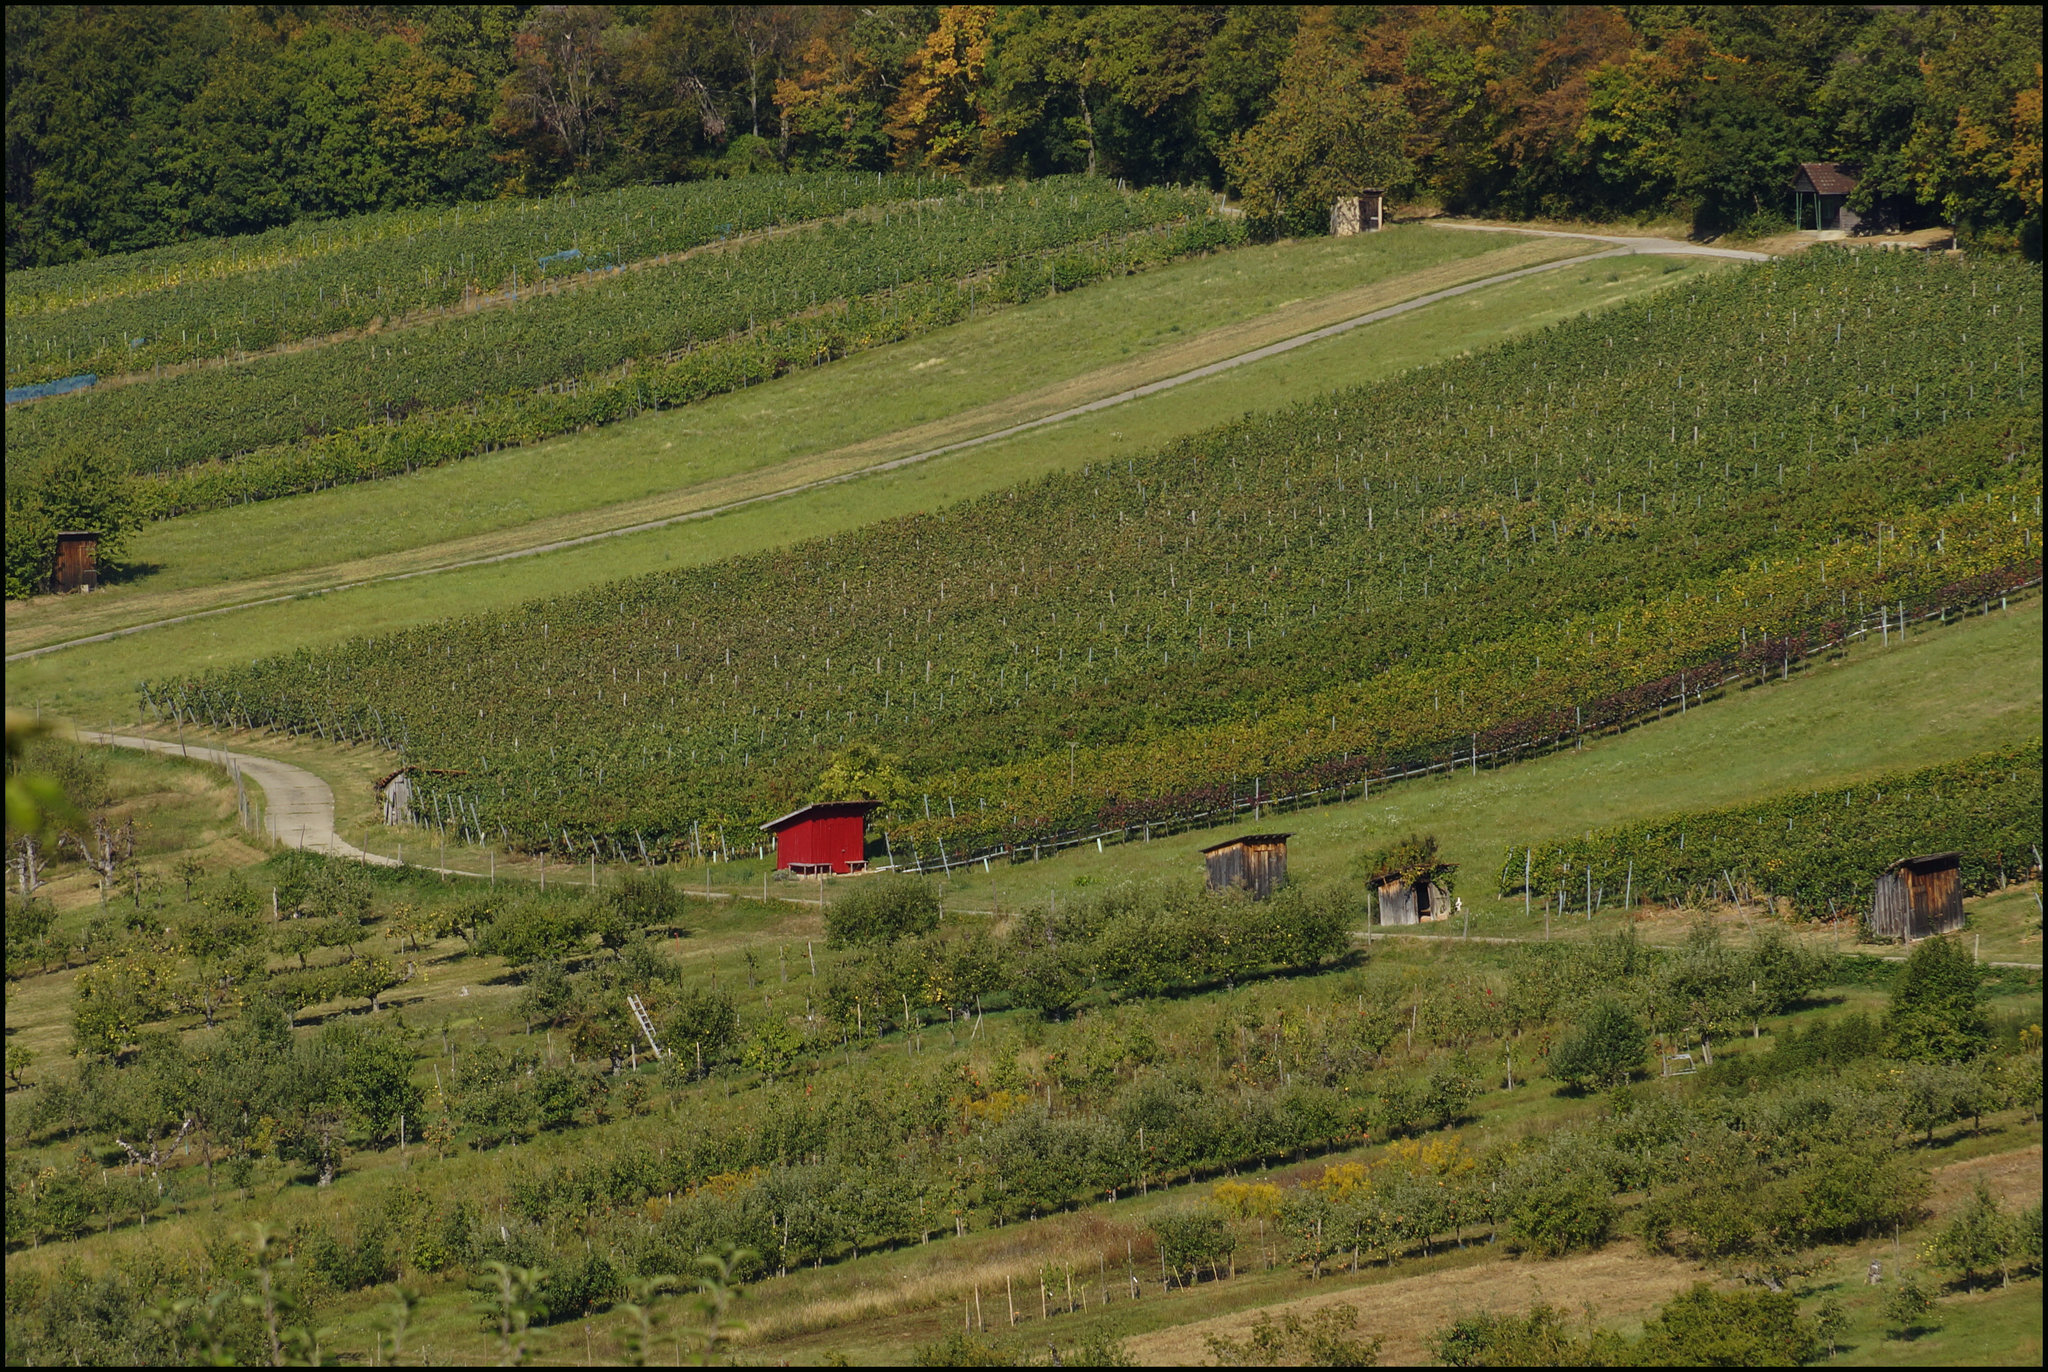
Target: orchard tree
(1937, 1011)
(1605, 1050)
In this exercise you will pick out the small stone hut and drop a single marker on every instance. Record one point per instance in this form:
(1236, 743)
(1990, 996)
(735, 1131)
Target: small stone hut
(1361, 213)
(1918, 897)
(1254, 862)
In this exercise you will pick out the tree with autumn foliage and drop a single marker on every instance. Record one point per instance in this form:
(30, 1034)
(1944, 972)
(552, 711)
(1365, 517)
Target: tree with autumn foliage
(1331, 132)
(939, 118)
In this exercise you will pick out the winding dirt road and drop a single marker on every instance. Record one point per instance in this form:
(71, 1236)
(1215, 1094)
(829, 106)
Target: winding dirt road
(299, 807)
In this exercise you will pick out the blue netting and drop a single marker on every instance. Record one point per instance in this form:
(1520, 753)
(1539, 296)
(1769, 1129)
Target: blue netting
(565, 255)
(42, 389)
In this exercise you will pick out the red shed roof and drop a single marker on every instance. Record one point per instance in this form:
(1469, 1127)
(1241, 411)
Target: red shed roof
(830, 809)
(1824, 178)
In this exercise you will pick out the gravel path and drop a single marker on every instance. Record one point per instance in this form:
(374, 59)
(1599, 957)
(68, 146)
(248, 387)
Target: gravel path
(299, 807)
(1633, 243)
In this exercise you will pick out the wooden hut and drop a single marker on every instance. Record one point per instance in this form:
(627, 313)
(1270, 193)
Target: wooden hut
(1918, 897)
(395, 791)
(1820, 197)
(1361, 213)
(827, 837)
(1402, 903)
(1255, 863)
(77, 561)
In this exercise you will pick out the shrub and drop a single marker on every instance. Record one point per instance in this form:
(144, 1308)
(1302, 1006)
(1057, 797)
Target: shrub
(1538, 1339)
(1908, 1309)
(1937, 1011)
(1703, 1327)
(961, 1350)
(1606, 1049)
(1324, 1338)
(1558, 1215)
(1191, 1238)
(881, 909)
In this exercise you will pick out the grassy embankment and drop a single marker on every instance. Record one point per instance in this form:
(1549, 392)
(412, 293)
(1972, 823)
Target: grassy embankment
(518, 499)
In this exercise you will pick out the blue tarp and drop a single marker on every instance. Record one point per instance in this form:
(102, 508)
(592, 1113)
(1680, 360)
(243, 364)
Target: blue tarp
(42, 389)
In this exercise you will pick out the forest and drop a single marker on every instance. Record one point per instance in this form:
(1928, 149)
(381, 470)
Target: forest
(134, 127)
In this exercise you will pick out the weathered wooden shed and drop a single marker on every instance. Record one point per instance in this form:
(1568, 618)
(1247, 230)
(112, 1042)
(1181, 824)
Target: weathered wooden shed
(827, 837)
(1255, 863)
(1401, 903)
(1820, 197)
(77, 561)
(1361, 213)
(1918, 897)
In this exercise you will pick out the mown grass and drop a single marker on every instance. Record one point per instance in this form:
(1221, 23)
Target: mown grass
(859, 398)
(94, 683)
(1943, 694)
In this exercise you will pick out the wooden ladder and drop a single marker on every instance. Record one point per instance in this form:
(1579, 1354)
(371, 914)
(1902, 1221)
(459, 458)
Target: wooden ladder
(646, 1024)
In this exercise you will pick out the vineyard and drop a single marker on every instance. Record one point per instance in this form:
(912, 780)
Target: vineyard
(1817, 848)
(561, 359)
(213, 298)
(1453, 562)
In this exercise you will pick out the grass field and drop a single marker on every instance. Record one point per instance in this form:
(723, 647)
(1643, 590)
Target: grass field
(1971, 686)
(92, 683)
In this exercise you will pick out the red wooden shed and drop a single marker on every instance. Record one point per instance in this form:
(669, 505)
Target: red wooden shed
(827, 837)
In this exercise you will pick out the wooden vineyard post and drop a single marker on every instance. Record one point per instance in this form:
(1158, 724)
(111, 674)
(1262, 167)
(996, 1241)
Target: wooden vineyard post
(1527, 854)
(1010, 1299)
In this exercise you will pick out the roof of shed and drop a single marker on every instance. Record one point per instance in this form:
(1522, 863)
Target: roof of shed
(1246, 839)
(827, 809)
(1825, 178)
(1928, 861)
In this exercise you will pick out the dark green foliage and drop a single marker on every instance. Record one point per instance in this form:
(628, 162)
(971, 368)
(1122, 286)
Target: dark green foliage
(881, 909)
(582, 1288)
(1823, 849)
(1192, 1240)
(1910, 1310)
(528, 930)
(1982, 1239)
(1606, 1048)
(1555, 1215)
(1322, 1338)
(1937, 1009)
(700, 1017)
(78, 487)
(351, 1262)
(1412, 861)
(1703, 1327)
(1541, 1338)
(635, 902)
(962, 1350)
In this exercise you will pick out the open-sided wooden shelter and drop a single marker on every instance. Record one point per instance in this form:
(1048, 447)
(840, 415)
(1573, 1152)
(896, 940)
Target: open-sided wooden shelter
(1918, 897)
(1254, 862)
(1361, 213)
(1401, 903)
